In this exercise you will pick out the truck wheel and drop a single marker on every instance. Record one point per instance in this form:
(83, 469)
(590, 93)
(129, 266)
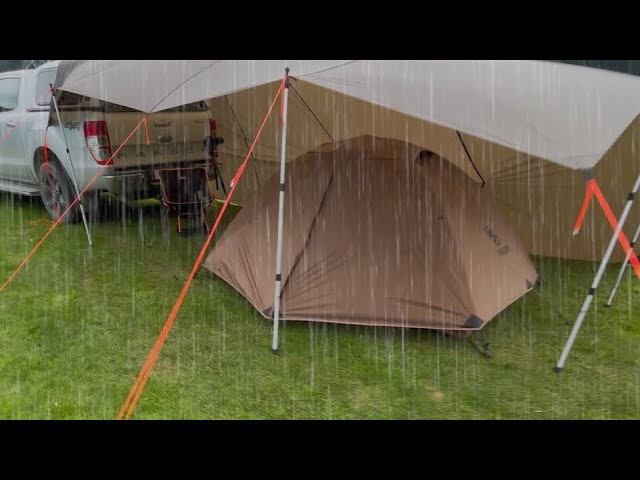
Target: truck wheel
(56, 192)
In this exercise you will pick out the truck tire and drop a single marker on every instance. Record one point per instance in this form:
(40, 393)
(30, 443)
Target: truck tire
(56, 192)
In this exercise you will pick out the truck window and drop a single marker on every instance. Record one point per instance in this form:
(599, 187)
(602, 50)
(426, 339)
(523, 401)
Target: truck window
(191, 107)
(45, 79)
(9, 88)
(69, 99)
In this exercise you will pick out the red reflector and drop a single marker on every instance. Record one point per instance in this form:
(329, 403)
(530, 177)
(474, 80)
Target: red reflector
(96, 135)
(95, 128)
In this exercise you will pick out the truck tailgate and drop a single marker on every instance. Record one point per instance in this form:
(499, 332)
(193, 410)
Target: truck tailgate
(175, 137)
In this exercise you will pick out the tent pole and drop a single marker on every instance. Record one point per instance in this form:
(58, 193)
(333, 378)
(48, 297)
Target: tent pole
(622, 270)
(598, 277)
(73, 170)
(276, 300)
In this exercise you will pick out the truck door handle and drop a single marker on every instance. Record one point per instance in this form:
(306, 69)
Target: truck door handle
(11, 123)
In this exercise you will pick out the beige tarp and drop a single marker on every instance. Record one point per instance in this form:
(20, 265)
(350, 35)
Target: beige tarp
(534, 129)
(540, 199)
(375, 237)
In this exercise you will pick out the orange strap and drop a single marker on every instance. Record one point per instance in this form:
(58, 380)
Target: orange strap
(146, 130)
(594, 189)
(64, 214)
(585, 206)
(134, 395)
(622, 238)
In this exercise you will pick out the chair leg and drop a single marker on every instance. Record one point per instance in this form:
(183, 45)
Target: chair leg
(203, 212)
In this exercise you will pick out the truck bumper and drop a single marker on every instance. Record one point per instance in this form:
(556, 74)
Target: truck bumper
(134, 184)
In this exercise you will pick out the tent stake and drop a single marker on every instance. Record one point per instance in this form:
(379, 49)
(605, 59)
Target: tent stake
(73, 170)
(622, 270)
(596, 281)
(276, 300)
(480, 343)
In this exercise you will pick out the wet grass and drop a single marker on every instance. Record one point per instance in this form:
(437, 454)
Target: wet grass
(78, 323)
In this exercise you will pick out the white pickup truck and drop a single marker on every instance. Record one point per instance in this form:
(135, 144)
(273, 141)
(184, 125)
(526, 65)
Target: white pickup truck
(93, 131)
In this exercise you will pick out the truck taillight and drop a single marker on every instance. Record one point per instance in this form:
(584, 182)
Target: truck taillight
(97, 137)
(212, 126)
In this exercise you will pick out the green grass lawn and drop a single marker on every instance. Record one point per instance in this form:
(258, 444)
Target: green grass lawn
(78, 323)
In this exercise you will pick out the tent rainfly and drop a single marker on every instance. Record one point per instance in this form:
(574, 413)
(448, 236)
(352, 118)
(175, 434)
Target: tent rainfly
(379, 232)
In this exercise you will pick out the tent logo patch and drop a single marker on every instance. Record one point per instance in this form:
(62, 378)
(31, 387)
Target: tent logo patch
(503, 248)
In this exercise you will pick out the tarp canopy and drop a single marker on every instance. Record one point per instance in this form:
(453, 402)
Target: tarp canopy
(533, 129)
(376, 234)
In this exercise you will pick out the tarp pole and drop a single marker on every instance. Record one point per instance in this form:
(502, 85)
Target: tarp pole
(622, 270)
(73, 171)
(276, 299)
(599, 274)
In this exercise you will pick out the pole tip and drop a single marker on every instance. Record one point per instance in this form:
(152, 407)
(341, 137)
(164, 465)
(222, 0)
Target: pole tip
(557, 369)
(607, 305)
(575, 232)
(274, 351)
(286, 70)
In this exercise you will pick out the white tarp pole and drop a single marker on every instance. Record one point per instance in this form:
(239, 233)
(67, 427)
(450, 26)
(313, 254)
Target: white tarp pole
(73, 171)
(622, 270)
(276, 299)
(599, 274)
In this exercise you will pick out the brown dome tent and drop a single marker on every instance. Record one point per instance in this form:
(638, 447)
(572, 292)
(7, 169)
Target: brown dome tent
(378, 232)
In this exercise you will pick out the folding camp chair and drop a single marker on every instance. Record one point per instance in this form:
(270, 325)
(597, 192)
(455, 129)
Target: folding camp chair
(186, 192)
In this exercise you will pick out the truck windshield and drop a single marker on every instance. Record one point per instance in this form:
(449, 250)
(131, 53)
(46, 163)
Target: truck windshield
(69, 99)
